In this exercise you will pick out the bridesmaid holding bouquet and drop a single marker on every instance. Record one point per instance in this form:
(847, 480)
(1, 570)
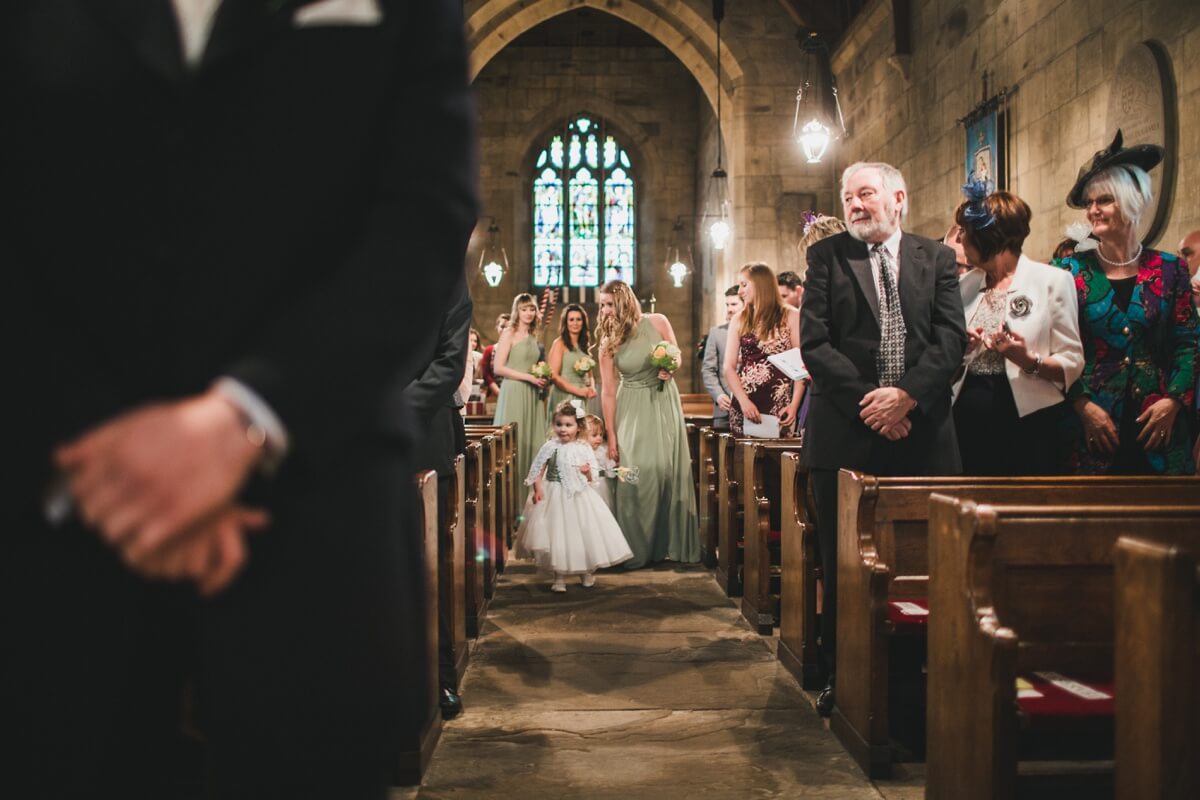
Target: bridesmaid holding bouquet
(572, 369)
(517, 355)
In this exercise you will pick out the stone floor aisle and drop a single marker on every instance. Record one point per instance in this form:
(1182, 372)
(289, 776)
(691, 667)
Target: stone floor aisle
(649, 685)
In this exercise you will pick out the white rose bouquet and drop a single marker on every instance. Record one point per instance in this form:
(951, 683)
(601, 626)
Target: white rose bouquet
(665, 355)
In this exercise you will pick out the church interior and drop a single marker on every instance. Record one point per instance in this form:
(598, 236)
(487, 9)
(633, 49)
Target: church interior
(663, 684)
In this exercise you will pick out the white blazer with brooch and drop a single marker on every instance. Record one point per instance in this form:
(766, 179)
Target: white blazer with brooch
(1044, 309)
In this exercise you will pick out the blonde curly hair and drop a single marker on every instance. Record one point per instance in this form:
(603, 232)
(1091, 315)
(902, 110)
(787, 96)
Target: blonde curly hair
(617, 328)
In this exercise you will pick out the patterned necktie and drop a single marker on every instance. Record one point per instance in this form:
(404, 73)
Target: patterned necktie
(890, 361)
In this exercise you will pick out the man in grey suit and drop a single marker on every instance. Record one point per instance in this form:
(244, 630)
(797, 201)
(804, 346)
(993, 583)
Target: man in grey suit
(714, 357)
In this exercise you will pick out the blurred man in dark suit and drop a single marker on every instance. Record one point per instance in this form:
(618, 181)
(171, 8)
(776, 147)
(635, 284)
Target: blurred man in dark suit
(226, 225)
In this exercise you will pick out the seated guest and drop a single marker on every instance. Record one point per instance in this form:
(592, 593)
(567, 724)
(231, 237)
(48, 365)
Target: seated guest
(791, 289)
(764, 327)
(714, 359)
(953, 240)
(487, 365)
(1138, 325)
(1023, 347)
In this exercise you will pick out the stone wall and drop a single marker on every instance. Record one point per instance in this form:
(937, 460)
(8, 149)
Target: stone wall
(1061, 54)
(651, 104)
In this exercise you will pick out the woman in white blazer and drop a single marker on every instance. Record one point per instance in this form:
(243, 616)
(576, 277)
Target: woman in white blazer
(1023, 348)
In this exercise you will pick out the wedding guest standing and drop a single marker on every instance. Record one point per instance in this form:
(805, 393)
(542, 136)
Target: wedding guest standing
(521, 391)
(1138, 325)
(1023, 347)
(791, 289)
(570, 348)
(487, 364)
(883, 334)
(713, 363)
(764, 327)
(645, 430)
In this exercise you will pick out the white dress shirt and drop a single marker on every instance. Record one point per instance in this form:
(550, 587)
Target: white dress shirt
(195, 19)
(892, 245)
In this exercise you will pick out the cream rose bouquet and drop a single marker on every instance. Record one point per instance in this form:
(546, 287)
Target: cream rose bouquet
(541, 370)
(665, 355)
(584, 366)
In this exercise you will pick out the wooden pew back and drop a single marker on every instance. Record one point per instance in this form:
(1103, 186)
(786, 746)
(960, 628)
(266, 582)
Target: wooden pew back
(799, 562)
(488, 451)
(706, 495)
(761, 515)
(1017, 589)
(729, 514)
(1157, 628)
(475, 525)
(883, 557)
(417, 746)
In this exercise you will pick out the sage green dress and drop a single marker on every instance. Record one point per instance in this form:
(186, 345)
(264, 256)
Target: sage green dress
(657, 514)
(520, 402)
(572, 377)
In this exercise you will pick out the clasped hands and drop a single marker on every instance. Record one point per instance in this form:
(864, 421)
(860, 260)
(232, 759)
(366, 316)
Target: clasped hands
(885, 411)
(159, 485)
(1006, 342)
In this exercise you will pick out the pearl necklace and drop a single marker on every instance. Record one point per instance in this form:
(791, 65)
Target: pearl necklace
(1136, 256)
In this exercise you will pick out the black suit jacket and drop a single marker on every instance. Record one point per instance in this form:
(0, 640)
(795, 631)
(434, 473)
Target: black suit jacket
(839, 336)
(293, 213)
(431, 396)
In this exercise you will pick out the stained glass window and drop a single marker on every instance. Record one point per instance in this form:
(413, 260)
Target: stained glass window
(584, 223)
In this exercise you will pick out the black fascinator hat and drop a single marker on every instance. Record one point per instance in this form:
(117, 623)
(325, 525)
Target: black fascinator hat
(1146, 156)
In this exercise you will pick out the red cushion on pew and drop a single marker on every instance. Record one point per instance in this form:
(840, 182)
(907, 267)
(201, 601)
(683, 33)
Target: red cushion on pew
(1056, 701)
(906, 620)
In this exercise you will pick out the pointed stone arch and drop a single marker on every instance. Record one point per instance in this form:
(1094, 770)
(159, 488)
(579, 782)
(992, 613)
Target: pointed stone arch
(682, 26)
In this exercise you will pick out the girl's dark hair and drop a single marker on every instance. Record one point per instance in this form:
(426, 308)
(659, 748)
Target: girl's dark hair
(565, 335)
(565, 409)
(1007, 231)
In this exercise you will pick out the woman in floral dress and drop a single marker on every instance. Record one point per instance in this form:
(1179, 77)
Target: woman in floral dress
(764, 327)
(1138, 326)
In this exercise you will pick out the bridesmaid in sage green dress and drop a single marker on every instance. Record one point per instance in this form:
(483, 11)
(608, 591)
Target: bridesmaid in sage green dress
(657, 514)
(520, 392)
(570, 346)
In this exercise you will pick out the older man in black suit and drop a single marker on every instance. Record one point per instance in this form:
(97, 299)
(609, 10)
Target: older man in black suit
(882, 332)
(224, 226)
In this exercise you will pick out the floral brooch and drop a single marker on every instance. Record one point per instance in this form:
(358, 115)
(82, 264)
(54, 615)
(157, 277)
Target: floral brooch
(1020, 306)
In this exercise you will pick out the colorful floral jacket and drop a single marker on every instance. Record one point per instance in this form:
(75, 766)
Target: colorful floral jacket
(1149, 349)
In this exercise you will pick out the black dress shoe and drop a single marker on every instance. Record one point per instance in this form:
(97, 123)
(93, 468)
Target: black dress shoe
(450, 703)
(825, 701)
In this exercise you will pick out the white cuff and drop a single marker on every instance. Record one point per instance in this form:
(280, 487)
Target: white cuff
(259, 413)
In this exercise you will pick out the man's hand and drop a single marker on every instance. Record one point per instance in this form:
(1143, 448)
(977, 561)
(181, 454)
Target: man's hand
(724, 402)
(897, 431)
(210, 554)
(884, 407)
(147, 476)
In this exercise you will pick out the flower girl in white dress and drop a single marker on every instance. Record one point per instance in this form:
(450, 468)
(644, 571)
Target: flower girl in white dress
(598, 440)
(567, 528)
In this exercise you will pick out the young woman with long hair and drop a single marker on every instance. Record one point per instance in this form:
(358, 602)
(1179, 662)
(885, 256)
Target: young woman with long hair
(764, 327)
(571, 345)
(645, 430)
(520, 392)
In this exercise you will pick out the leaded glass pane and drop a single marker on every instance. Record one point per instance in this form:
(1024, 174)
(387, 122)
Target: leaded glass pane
(592, 151)
(556, 152)
(583, 123)
(610, 152)
(618, 226)
(575, 151)
(548, 228)
(585, 229)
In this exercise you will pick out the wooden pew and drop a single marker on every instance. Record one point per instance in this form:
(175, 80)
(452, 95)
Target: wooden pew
(452, 569)
(417, 745)
(490, 492)
(1157, 632)
(697, 408)
(1027, 592)
(729, 515)
(706, 496)
(800, 564)
(475, 550)
(505, 494)
(883, 572)
(761, 527)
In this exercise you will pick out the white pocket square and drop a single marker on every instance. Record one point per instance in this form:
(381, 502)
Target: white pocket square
(338, 12)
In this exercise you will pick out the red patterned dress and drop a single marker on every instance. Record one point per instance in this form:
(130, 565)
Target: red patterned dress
(768, 387)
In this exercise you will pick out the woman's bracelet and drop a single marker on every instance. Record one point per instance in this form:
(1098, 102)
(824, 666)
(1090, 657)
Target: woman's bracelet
(1037, 366)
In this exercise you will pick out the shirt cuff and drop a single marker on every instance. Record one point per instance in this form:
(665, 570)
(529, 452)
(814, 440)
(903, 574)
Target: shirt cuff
(258, 413)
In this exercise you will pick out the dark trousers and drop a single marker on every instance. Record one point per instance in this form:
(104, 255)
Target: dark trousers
(825, 493)
(304, 674)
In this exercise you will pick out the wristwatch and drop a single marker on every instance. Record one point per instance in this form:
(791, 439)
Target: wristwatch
(1037, 365)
